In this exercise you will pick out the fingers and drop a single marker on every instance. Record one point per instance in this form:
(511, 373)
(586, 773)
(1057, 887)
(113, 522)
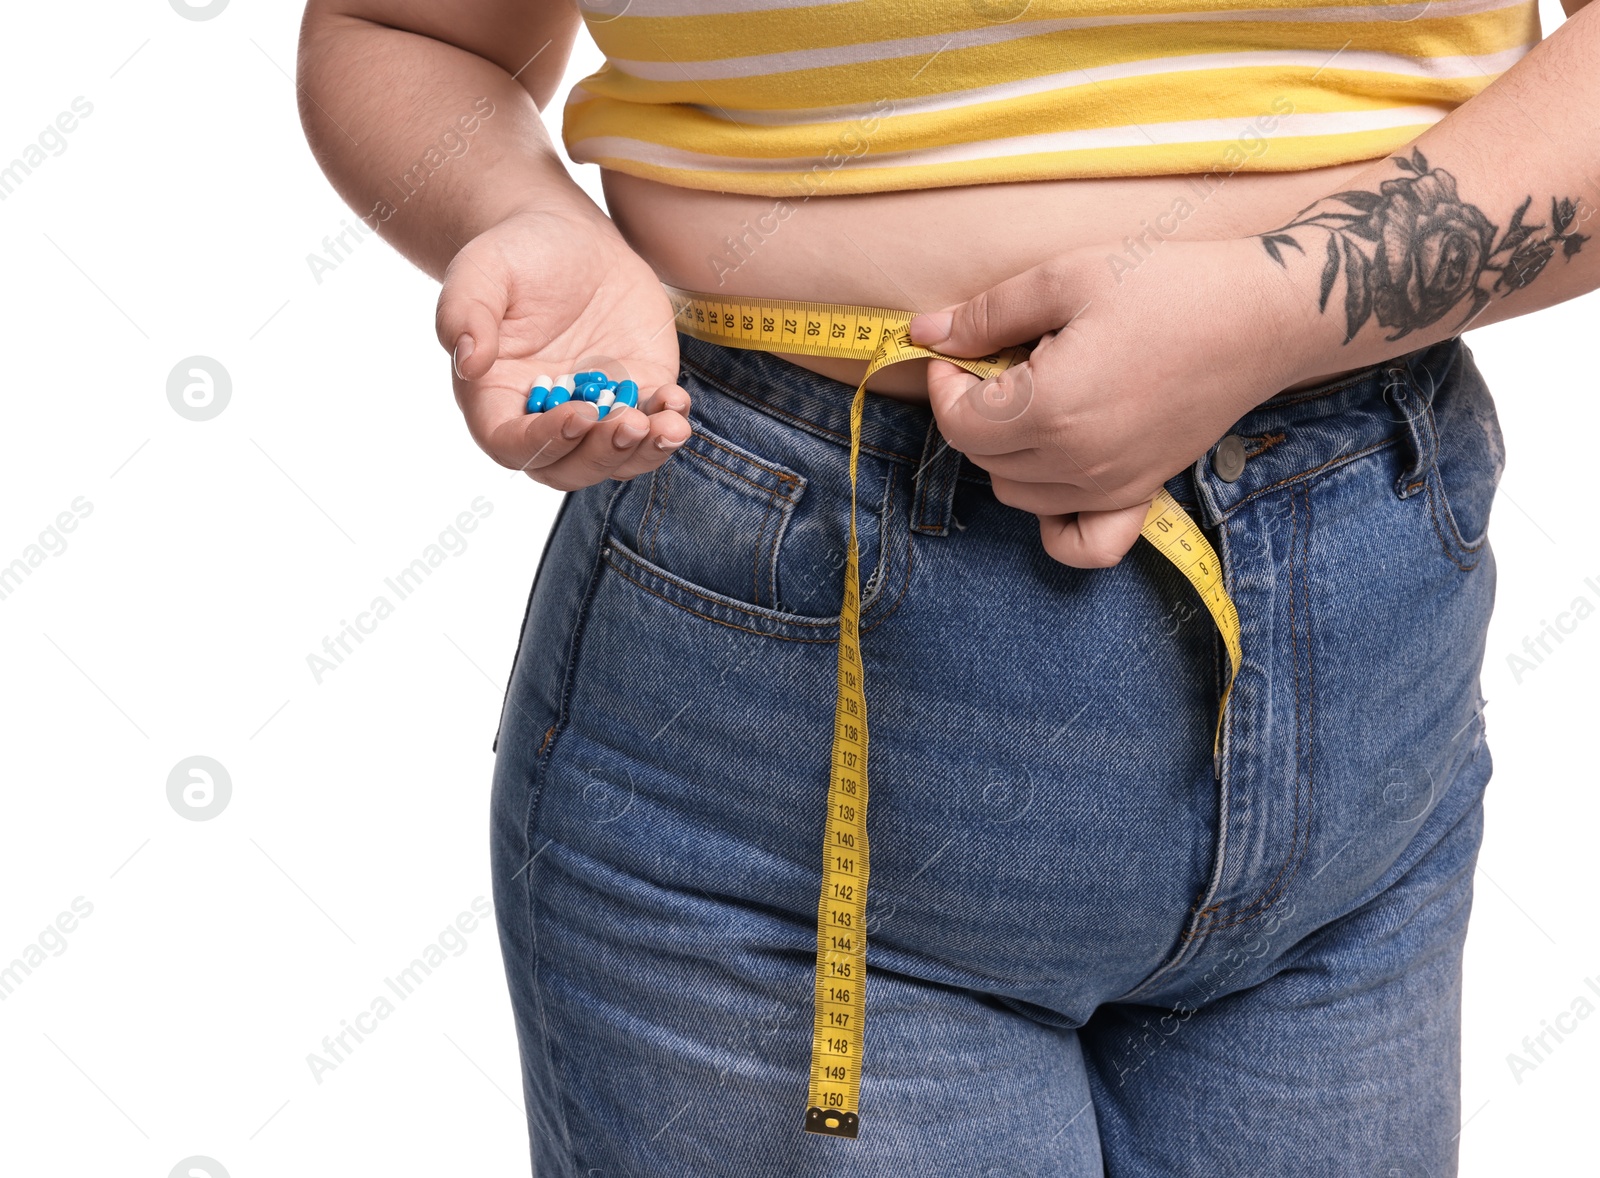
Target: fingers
(984, 418)
(566, 448)
(1022, 307)
(532, 442)
(631, 445)
(1092, 539)
(669, 396)
(472, 303)
(1050, 498)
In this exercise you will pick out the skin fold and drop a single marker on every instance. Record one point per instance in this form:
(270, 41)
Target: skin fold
(1150, 343)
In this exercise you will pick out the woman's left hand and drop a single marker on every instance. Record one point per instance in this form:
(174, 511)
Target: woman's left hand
(1138, 371)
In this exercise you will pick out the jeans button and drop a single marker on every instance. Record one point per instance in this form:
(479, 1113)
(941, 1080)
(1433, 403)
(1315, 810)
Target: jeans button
(1228, 459)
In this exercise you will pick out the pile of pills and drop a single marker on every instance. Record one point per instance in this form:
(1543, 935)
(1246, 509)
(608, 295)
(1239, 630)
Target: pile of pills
(547, 393)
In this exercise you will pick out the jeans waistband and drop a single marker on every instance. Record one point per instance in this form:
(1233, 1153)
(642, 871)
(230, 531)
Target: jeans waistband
(808, 400)
(1336, 420)
(1302, 431)
(897, 430)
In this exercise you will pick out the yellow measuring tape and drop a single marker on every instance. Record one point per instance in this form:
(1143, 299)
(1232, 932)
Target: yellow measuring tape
(878, 336)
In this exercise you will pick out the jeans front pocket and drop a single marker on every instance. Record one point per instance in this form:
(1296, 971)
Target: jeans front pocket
(748, 524)
(1459, 451)
(713, 516)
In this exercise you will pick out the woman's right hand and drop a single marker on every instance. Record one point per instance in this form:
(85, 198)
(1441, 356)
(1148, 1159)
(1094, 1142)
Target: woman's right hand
(535, 294)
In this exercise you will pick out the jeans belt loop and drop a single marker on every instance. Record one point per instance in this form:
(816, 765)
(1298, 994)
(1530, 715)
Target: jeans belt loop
(1405, 395)
(933, 486)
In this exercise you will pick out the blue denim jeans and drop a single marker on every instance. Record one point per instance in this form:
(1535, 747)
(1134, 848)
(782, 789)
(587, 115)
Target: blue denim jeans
(1089, 953)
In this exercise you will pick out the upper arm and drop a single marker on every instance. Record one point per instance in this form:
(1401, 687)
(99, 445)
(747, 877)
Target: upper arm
(529, 39)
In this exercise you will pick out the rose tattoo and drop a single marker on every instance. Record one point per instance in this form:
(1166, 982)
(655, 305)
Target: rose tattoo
(1413, 250)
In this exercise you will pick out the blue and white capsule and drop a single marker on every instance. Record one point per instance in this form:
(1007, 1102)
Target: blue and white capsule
(592, 386)
(539, 395)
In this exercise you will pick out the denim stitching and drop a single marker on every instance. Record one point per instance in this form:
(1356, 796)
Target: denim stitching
(527, 611)
(774, 547)
(1198, 926)
(551, 1050)
(722, 466)
(894, 606)
(919, 481)
(868, 599)
(1243, 913)
(787, 494)
(615, 553)
(935, 479)
(1422, 433)
(1444, 501)
(720, 621)
(727, 604)
(1268, 441)
(946, 470)
(1444, 543)
(664, 473)
(921, 478)
(1298, 842)
(869, 592)
(649, 505)
(772, 468)
(755, 560)
(1305, 730)
(1331, 464)
(536, 798)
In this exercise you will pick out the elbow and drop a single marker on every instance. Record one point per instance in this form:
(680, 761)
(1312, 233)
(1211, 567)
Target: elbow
(324, 40)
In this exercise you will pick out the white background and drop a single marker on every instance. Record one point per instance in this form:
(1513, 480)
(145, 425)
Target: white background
(218, 554)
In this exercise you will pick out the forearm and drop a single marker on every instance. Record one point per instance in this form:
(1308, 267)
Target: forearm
(428, 142)
(1489, 220)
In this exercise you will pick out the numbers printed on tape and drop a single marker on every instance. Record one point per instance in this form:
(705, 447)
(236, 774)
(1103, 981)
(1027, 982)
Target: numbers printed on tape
(878, 335)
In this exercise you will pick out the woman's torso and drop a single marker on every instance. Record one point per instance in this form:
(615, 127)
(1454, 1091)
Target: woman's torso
(911, 153)
(928, 248)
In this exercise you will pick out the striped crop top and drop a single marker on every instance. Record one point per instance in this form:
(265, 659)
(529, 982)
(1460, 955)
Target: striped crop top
(801, 97)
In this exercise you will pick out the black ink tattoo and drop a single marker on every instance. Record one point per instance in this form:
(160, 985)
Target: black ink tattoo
(1414, 249)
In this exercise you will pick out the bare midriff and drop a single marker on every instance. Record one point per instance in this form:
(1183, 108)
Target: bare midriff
(926, 249)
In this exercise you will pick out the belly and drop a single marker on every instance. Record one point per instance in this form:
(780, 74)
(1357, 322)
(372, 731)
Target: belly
(929, 248)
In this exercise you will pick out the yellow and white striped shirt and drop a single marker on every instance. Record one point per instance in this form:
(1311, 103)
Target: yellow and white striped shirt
(801, 97)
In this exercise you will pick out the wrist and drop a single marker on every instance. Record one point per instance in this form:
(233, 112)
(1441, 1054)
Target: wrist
(1298, 342)
(535, 184)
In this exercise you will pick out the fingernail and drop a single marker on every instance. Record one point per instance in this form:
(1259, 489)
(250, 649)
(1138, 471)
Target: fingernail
(667, 444)
(928, 330)
(628, 434)
(463, 349)
(579, 421)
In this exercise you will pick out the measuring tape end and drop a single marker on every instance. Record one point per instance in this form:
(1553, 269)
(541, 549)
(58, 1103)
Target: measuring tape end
(832, 1122)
